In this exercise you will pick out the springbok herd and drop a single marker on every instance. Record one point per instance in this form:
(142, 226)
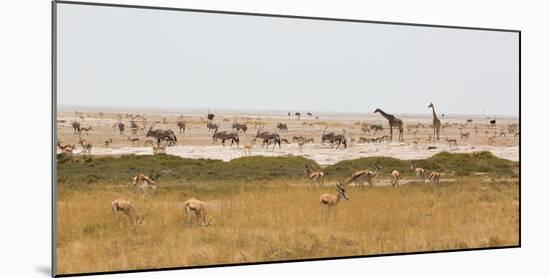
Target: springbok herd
(142, 183)
(111, 130)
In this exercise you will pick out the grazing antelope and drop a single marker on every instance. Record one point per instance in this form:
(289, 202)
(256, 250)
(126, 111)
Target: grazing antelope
(434, 177)
(108, 142)
(285, 141)
(465, 135)
(282, 127)
(360, 177)
(451, 142)
(66, 150)
(395, 176)
(327, 201)
(315, 176)
(86, 129)
(247, 150)
(334, 138)
(123, 206)
(142, 182)
(420, 173)
(133, 140)
(200, 210)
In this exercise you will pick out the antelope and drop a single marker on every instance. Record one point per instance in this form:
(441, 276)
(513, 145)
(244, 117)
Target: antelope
(162, 134)
(301, 144)
(224, 135)
(240, 127)
(86, 147)
(247, 151)
(76, 127)
(159, 148)
(334, 138)
(148, 142)
(364, 175)
(451, 142)
(516, 134)
(268, 137)
(86, 129)
(123, 206)
(121, 128)
(434, 177)
(491, 140)
(108, 142)
(314, 176)
(282, 127)
(211, 126)
(181, 126)
(142, 182)
(327, 201)
(395, 176)
(200, 210)
(420, 173)
(363, 140)
(67, 149)
(465, 135)
(133, 140)
(298, 138)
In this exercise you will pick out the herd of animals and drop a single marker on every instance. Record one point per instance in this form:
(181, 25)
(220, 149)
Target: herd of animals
(199, 210)
(162, 138)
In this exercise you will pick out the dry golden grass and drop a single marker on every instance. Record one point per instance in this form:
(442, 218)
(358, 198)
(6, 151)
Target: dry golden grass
(279, 220)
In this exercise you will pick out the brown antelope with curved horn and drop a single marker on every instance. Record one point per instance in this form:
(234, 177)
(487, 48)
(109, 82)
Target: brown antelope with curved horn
(200, 210)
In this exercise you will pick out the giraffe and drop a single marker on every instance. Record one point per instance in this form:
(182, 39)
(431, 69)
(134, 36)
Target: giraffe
(436, 122)
(393, 121)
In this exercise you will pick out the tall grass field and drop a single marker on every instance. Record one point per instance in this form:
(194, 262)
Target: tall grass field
(263, 209)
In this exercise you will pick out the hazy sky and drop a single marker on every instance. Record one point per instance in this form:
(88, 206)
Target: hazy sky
(149, 58)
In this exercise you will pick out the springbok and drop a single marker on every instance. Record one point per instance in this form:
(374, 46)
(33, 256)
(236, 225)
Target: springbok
(142, 182)
(395, 177)
(360, 177)
(86, 129)
(434, 177)
(420, 173)
(314, 176)
(86, 147)
(133, 140)
(200, 210)
(125, 207)
(66, 150)
(327, 201)
(108, 142)
(451, 142)
(247, 151)
(465, 135)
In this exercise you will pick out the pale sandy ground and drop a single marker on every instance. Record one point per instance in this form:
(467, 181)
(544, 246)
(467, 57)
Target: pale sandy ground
(197, 143)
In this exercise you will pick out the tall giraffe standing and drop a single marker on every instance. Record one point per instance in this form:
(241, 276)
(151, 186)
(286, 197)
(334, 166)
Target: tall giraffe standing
(436, 122)
(393, 121)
